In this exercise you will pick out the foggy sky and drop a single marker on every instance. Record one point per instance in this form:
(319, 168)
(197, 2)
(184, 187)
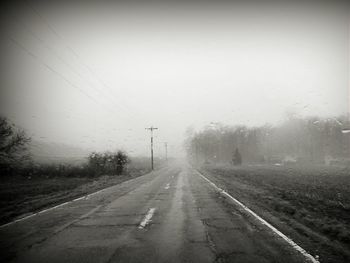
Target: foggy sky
(95, 75)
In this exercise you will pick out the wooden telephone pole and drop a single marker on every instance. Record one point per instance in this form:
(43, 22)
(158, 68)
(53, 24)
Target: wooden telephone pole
(166, 151)
(151, 129)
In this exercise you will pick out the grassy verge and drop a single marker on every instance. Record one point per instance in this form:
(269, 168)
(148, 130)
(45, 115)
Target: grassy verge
(20, 195)
(313, 201)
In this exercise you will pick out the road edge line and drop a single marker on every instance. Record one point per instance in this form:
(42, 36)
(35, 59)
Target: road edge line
(52, 208)
(294, 245)
(62, 204)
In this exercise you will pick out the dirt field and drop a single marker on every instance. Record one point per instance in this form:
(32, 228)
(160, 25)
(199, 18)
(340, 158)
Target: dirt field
(310, 204)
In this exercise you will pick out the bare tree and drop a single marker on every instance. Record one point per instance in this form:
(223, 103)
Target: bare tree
(13, 146)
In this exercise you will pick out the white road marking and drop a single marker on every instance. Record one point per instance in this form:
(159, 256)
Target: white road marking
(167, 187)
(54, 207)
(147, 218)
(308, 256)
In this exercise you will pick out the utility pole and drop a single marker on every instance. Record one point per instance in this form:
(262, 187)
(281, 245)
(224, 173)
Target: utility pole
(151, 129)
(166, 151)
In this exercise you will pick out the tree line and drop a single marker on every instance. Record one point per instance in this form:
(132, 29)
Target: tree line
(313, 139)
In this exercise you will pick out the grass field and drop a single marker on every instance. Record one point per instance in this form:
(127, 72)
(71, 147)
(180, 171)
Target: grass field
(314, 201)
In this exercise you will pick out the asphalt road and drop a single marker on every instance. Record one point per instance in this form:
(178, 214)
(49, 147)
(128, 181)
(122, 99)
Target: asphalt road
(170, 215)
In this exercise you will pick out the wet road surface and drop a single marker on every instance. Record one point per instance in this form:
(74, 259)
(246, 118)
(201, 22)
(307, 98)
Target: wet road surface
(169, 215)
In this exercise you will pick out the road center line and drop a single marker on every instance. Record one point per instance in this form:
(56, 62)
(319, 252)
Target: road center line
(147, 218)
(308, 256)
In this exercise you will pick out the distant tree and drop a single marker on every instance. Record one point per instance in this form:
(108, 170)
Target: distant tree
(121, 160)
(96, 163)
(108, 162)
(13, 146)
(305, 140)
(237, 158)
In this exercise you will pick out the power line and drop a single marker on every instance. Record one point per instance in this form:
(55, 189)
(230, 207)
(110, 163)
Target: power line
(55, 32)
(62, 60)
(57, 73)
(47, 66)
(65, 79)
(99, 80)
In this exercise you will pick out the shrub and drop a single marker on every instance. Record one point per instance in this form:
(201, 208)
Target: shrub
(108, 162)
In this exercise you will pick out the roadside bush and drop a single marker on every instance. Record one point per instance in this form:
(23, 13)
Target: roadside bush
(108, 162)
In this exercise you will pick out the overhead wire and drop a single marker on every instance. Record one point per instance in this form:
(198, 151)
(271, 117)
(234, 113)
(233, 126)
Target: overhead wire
(60, 75)
(34, 35)
(48, 67)
(127, 110)
(51, 69)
